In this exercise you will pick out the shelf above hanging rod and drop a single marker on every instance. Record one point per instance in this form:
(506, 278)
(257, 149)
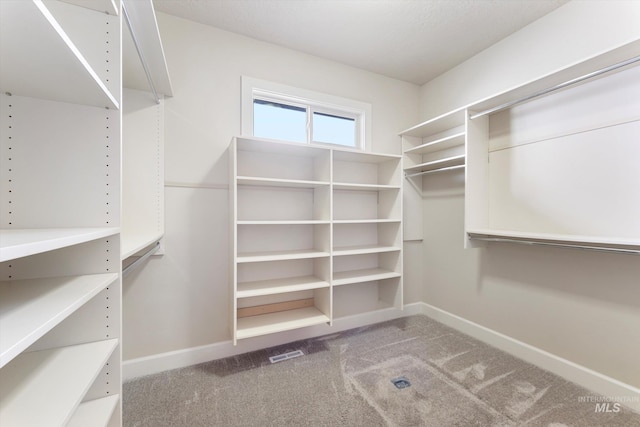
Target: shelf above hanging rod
(152, 250)
(487, 238)
(434, 171)
(145, 65)
(556, 87)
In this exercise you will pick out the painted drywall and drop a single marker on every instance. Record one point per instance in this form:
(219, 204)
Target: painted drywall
(579, 305)
(183, 299)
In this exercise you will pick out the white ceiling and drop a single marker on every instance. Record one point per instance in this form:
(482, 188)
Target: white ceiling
(411, 40)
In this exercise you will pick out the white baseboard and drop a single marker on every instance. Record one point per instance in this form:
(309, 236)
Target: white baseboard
(156, 363)
(585, 377)
(601, 384)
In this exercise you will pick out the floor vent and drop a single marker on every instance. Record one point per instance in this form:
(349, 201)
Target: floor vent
(286, 356)
(401, 382)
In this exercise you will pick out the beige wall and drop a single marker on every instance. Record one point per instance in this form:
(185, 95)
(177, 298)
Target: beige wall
(582, 306)
(182, 300)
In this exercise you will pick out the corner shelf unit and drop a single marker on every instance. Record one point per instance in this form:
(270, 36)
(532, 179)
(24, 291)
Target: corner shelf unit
(305, 219)
(60, 276)
(536, 145)
(436, 145)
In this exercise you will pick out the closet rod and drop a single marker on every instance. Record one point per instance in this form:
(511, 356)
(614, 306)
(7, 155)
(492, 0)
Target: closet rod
(137, 262)
(433, 171)
(140, 54)
(556, 87)
(563, 245)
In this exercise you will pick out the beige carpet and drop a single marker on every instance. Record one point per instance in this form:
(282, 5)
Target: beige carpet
(345, 379)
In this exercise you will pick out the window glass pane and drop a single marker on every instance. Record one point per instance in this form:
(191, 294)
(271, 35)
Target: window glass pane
(334, 129)
(279, 121)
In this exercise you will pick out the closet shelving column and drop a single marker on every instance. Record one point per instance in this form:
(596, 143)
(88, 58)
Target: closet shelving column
(281, 236)
(59, 215)
(367, 231)
(436, 145)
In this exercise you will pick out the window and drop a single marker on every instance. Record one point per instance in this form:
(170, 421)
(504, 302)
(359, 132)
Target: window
(280, 112)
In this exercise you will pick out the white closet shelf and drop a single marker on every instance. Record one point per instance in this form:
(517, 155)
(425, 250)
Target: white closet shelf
(30, 308)
(39, 60)
(365, 187)
(276, 182)
(613, 243)
(95, 413)
(27, 397)
(108, 6)
(280, 255)
(284, 222)
(278, 286)
(363, 249)
(278, 322)
(363, 156)
(359, 276)
(19, 243)
(266, 145)
(437, 164)
(132, 243)
(437, 124)
(438, 144)
(365, 221)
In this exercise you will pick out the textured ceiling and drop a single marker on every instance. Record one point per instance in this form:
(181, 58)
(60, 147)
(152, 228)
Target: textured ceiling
(411, 40)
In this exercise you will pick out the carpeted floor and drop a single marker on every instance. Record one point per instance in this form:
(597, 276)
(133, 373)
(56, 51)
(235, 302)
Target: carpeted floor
(345, 379)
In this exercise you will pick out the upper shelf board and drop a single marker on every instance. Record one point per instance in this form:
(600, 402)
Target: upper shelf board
(106, 6)
(24, 242)
(39, 60)
(438, 124)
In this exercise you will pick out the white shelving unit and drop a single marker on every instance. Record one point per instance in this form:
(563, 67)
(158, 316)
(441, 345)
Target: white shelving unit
(60, 281)
(296, 210)
(547, 152)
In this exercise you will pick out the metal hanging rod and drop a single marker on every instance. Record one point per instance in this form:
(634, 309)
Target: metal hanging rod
(136, 263)
(563, 245)
(140, 54)
(556, 87)
(433, 171)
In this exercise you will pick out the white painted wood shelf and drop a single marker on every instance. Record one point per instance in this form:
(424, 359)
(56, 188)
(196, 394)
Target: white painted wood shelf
(106, 6)
(26, 395)
(365, 275)
(450, 141)
(95, 413)
(280, 255)
(277, 286)
(18, 243)
(364, 249)
(325, 194)
(46, 63)
(279, 322)
(439, 164)
(30, 308)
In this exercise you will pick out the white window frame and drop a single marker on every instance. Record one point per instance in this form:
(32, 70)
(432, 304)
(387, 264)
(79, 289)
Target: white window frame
(313, 102)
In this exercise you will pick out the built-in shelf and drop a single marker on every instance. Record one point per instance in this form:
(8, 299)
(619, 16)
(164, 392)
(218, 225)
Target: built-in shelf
(285, 195)
(287, 183)
(280, 255)
(364, 249)
(278, 322)
(364, 187)
(95, 413)
(437, 164)
(38, 59)
(17, 243)
(450, 141)
(26, 394)
(285, 222)
(437, 124)
(277, 286)
(132, 244)
(31, 308)
(365, 275)
(107, 6)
